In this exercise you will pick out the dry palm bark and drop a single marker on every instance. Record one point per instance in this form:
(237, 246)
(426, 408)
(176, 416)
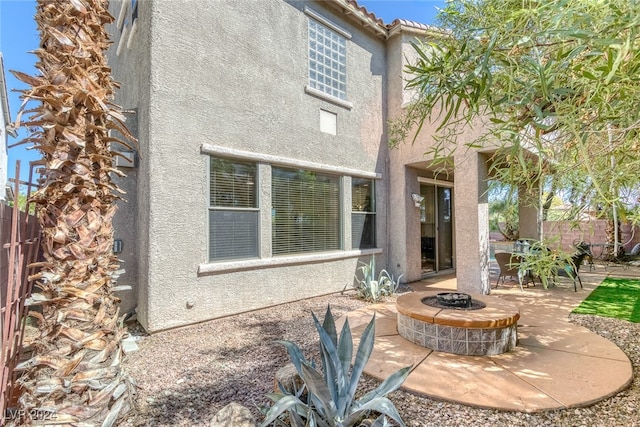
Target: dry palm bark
(611, 252)
(75, 376)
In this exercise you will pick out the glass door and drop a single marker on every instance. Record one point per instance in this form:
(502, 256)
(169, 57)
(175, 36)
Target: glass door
(445, 229)
(428, 228)
(436, 228)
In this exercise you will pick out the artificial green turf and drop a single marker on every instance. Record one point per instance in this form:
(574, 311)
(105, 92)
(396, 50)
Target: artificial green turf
(614, 297)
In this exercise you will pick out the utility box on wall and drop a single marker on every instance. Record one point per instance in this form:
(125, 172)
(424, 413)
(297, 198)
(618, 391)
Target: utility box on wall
(125, 159)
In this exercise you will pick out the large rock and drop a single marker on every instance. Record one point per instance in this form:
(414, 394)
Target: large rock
(233, 415)
(289, 378)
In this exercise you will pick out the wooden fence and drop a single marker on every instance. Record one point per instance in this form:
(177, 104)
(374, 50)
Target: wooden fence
(20, 246)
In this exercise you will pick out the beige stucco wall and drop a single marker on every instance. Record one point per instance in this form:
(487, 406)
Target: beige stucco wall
(409, 162)
(132, 68)
(231, 75)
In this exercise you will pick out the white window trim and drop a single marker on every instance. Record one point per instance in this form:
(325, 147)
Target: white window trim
(321, 19)
(438, 182)
(319, 94)
(217, 150)
(219, 267)
(282, 261)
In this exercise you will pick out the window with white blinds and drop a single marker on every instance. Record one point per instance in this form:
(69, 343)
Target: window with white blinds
(306, 211)
(233, 210)
(363, 213)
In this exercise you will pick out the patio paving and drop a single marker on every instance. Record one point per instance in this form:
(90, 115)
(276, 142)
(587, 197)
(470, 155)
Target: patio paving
(556, 364)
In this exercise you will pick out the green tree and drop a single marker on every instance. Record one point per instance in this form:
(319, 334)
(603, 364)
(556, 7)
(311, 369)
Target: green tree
(21, 202)
(555, 83)
(74, 376)
(503, 210)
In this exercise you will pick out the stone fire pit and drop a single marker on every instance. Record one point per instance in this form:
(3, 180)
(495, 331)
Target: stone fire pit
(485, 331)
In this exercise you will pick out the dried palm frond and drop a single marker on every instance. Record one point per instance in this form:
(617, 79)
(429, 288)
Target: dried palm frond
(75, 372)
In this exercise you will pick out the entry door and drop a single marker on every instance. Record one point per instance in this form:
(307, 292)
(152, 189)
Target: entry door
(436, 218)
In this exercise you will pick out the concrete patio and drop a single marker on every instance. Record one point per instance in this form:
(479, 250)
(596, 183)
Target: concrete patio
(556, 364)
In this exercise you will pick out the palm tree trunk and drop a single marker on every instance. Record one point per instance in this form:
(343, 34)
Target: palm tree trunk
(76, 372)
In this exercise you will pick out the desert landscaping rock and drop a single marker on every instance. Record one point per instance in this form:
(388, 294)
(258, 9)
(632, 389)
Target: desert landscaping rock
(235, 359)
(288, 378)
(233, 415)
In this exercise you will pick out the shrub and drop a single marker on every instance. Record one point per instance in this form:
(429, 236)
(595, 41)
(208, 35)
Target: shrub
(331, 394)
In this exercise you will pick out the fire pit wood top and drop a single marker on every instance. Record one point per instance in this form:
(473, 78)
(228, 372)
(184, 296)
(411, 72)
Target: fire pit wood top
(497, 313)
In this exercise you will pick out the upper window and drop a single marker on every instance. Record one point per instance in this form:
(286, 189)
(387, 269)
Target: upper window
(363, 213)
(306, 211)
(327, 60)
(233, 210)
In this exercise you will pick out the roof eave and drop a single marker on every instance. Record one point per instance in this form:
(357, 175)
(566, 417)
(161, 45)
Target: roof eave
(4, 98)
(416, 28)
(361, 14)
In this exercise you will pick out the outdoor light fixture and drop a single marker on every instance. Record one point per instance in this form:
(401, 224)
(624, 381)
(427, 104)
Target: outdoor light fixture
(417, 199)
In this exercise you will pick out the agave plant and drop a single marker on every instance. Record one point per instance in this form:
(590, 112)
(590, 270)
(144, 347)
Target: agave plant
(371, 287)
(75, 375)
(331, 393)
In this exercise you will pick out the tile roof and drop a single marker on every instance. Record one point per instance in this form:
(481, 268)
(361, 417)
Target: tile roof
(378, 24)
(372, 16)
(413, 24)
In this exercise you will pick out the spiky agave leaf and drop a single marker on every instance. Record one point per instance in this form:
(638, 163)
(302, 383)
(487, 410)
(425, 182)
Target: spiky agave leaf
(295, 354)
(334, 374)
(282, 404)
(320, 391)
(376, 401)
(391, 383)
(345, 347)
(331, 393)
(329, 325)
(380, 405)
(365, 348)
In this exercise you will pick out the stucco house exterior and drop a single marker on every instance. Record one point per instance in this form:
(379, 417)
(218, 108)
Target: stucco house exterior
(262, 172)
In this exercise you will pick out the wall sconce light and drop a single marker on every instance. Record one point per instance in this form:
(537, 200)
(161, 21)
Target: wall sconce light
(417, 199)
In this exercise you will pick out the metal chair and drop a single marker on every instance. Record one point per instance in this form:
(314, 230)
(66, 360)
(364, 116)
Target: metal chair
(510, 267)
(572, 270)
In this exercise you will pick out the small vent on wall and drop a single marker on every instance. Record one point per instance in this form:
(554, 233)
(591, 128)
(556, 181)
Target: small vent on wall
(328, 122)
(125, 159)
(117, 246)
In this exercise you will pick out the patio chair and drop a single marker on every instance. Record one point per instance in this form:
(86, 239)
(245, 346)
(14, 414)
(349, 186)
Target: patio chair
(585, 246)
(572, 270)
(509, 267)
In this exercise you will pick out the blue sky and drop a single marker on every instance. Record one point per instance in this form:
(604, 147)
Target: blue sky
(18, 35)
(423, 11)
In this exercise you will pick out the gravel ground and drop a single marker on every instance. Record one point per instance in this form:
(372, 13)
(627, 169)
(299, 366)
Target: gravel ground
(185, 376)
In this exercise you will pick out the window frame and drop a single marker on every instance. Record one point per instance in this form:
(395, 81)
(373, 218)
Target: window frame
(368, 214)
(333, 234)
(267, 260)
(255, 210)
(314, 86)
